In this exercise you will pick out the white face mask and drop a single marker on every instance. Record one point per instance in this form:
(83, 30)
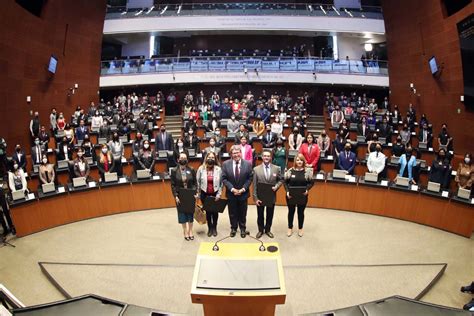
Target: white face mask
(80, 155)
(104, 150)
(45, 161)
(467, 160)
(180, 144)
(146, 146)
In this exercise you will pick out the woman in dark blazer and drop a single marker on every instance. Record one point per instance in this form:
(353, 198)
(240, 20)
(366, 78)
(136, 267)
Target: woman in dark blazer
(297, 176)
(146, 160)
(183, 176)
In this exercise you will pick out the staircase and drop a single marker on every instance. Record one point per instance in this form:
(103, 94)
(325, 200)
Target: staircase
(315, 124)
(174, 125)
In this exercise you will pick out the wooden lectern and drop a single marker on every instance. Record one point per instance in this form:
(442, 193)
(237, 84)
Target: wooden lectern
(238, 279)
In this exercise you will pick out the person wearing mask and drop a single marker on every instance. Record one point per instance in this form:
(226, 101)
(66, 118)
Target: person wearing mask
(89, 150)
(213, 124)
(46, 172)
(116, 148)
(282, 115)
(444, 139)
(258, 126)
(81, 131)
(81, 166)
(310, 151)
(146, 160)
(53, 123)
(263, 113)
(61, 122)
(183, 176)
(246, 149)
(363, 127)
(398, 148)
(17, 179)
(374, 140)
(212, 148)
(43, 138)
(104, 130)
(233, 124)
(277, 127)
(106, 163)
(297, 176)
(344, 127)
(241, 132)
(279, 156)
(295, 139)
(440, 171)
(267, 173)
(220, 140)
(209, 183)
(65, 150)
(35, 126)
(408, 161)
(97, 121)
(376, 162)
(177, 150)
(405, 134)
(336, 117)
(324, 143)
(269, 138)
(337, 147)
(19, 157)
(465, 173)
(142, 125)
(347, 159)
(237, 177)
(163, 140)
(424, 120)
(37, 152)
(425, 136)
(191, 141)
(385, 130)
(69, 133)
(124, 128)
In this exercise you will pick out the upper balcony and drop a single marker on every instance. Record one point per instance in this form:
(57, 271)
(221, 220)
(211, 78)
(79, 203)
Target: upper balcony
(297, 17)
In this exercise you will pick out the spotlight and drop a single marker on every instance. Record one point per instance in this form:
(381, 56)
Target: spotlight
(245, 70)
(368, 47)
(322, 9)
(149, 10)
(139, 12)
(164, 10)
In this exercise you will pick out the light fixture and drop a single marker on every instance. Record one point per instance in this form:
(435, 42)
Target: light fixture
(179, 9)
(139, 12)
(164, 10)
(348, 12)
(310, 8)
(334, 8)
(149, 10)
(123, 13)
(368, 47)
(322, 9)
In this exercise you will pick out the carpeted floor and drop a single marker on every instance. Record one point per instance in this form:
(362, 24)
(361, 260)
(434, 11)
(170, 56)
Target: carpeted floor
(313, 282)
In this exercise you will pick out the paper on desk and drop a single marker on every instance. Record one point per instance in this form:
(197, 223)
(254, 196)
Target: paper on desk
(430, 149)
(384, 183)
(390, 144)
(320, 176)
(31, 196)
(472, 201)
(330, 157)
(61, 190)
(50, 150)
(92, 184)
(123, 180)
(124, 160)
(414, 187)
(156, 177)
(445, 194)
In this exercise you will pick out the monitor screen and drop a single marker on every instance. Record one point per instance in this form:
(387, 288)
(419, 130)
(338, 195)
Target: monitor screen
(53, 62)
(433, 65)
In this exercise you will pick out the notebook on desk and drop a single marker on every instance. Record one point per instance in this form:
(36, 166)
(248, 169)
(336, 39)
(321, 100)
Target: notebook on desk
(433, 187)
(79, 182)
(402, 181)
(143, 174)
(48, 187)
(111, 177)
(339, 174)
(371, 177)
(464, 193)
(18, 195)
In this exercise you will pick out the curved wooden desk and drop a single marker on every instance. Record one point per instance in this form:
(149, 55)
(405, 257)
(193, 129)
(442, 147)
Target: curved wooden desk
(443, 213)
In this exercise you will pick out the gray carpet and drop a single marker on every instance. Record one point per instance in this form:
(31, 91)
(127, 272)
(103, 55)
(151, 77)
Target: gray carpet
(331, 238)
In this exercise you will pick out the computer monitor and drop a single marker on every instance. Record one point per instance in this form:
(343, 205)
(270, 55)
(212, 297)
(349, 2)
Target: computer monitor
(111, 177)
(48, 187)
(79, 182)
(18, 195)
(143, 174)
(371, 177)
(339, 174)
(433, 187)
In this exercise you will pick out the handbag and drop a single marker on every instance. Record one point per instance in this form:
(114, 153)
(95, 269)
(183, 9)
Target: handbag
(200, 214)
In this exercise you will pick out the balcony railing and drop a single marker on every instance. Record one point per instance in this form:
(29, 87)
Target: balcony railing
(217, 9)
(242, 64)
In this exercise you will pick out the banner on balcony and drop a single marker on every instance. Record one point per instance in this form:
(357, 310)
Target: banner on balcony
(199, 65)
(306, 64)
(288, 64)
(235, 65)
(216, 65)
(271, 65)
(323, 65)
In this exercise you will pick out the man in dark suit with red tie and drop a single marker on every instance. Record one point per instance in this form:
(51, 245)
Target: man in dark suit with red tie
(237, 175)
(347, 159)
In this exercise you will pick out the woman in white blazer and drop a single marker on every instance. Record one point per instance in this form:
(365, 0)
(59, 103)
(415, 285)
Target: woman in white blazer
(209, 183)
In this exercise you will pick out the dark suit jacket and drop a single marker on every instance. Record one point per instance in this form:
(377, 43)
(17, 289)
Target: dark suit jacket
(20, 161)
(177, 181)
(269, 143)
(60, 154)
(159, 145)
(191, 144)
(360, 130)
(244, 181)
(80, 133)
(34, 152)
(347, 164)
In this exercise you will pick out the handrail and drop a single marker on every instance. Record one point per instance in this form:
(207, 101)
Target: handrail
(248, 8)
(246, 64)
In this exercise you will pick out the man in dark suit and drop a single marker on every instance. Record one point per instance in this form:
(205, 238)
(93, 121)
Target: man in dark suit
(425, 136)
(37, 152)
(267, 173)
(385, 130)
(163, 140)
(81, 131)
(19, 157)
(347, 159)
(237, 176)
(269, 139)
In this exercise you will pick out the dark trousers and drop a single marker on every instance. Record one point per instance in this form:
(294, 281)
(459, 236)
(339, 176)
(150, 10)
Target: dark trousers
(5, 214)
(118, 167)
(265, 226)
(237, 213)
(211, 217)
(291, 215)
(3, 165)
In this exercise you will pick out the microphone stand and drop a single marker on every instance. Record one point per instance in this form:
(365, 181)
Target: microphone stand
(4, 242)
(216, 247)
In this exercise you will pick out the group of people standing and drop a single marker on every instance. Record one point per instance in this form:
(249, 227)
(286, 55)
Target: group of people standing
(237, 175)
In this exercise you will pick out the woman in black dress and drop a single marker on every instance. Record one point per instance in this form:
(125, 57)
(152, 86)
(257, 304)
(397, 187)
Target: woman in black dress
(297, 176)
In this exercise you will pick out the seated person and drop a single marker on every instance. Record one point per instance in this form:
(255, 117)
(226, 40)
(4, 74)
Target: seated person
(65, 150)
(212, 148)
(191, 140)
(258, 126)
(440, 171)
(295, 139)
(269, 138)
(46, 172)
(233, 124)
(81, 166)
(146, 160)
(106, 162)
(444, 139)
(347, 159)
(408, 162)
(425, 136)
(376, 162)
(17, 179)
(465, 173)
(247, 151)
(324, 143)
(398, 148)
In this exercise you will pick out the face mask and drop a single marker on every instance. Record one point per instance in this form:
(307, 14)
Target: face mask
(18, 150)
(323, 135)
(146, 146)
(163, 130)
(15, 166)
(467, 160)
(348, 148)
(210, 162)
(190, 132)
(80, 155)
(104, 150)
(37, 142)
(183, 162)
(180, 144)
(45, 161)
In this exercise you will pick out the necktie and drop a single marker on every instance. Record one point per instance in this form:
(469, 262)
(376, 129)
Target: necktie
(237, 171)
(267, 172)
(347, 155)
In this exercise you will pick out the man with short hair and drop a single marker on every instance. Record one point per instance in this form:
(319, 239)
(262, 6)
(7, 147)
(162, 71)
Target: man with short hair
(163, 140)
(347, 159)
(267, 173)
(237, 176)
